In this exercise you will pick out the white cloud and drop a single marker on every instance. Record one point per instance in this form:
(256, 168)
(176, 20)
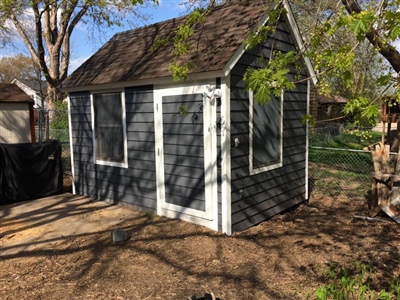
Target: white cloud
(76, 62)
(397, 44)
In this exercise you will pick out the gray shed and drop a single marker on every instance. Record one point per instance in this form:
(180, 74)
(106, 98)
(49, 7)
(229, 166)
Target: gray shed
(223, 161)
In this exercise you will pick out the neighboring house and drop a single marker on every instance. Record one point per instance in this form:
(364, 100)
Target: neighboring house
(16, 115)
(35, 89)
(201, 150)
(326, 109)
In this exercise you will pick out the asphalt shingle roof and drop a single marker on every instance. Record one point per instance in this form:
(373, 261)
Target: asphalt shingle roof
(10, 92)
(129, 56)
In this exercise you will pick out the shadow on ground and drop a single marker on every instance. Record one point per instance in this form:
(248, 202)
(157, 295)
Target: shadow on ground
(72, 255)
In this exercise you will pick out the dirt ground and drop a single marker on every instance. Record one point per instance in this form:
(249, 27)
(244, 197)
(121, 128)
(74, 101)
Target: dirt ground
(283, 258)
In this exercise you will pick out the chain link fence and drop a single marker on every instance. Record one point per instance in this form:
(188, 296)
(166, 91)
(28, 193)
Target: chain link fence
(338, 171)
(332, 171)
(53, 124)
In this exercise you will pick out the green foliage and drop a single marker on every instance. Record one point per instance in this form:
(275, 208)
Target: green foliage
(343, 285)
(259, 36)
(272, 78)
(183, 110)
(158, 43)
(178, 67)
(385, 79)
(179, 71)
(345, 140)
(60, 119)
(308, 119)
(346, 62)
(361, 23)
(362, 112)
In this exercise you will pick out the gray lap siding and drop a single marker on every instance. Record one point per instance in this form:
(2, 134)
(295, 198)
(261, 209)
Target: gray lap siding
(255, 198)
(183, 150)
(135, 185)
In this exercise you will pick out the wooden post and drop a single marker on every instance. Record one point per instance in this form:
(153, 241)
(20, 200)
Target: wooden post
(388, 132)
(383, 133)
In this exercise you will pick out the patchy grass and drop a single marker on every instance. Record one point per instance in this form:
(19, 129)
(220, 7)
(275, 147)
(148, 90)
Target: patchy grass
(345, 140)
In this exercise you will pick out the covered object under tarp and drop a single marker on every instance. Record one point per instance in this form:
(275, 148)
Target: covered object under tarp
(29, 171)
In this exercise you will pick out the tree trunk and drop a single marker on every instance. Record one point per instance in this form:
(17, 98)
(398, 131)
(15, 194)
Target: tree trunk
(53, 95)
(395, 139)
(387, 50)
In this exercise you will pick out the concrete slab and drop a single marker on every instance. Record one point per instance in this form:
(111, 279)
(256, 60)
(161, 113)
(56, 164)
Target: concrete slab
(379, 127)
(37, 224)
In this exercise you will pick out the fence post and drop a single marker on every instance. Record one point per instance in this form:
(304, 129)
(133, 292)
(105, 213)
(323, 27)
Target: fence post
(47, 125)
(40, 125)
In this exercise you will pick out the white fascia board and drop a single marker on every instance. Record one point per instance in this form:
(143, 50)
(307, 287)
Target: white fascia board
(296, 33)
(71, 146)
(299, 40)
(241, 50)
(226, 207)
(167, 81)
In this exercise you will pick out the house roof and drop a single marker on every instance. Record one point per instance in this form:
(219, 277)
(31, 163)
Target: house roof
(10, 92)
(130, 55)
(334, 99)
(38, 86)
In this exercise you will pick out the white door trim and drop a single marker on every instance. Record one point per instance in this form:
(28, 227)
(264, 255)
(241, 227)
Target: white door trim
(226, 214)
(209, 217)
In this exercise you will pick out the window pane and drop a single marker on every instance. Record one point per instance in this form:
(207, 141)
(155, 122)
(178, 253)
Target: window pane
(109, 133)
(266, 133)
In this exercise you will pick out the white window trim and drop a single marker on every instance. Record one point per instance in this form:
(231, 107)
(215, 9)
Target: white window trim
(254, 171)
(123, 164)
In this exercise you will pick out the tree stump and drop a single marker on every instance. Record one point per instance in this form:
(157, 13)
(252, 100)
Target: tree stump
(385, 178)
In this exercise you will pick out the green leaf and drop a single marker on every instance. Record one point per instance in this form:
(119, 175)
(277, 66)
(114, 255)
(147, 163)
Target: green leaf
(321, 293)
(370, 112)
(310, 119)
(361, 23)
(384, 79)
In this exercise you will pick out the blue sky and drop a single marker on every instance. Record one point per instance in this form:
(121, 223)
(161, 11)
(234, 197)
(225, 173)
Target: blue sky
(82, 48)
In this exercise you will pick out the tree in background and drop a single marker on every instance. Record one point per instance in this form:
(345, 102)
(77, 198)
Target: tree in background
(342, 37)
(350, 43)
(350, 65)
(19, 67)
(46, 27)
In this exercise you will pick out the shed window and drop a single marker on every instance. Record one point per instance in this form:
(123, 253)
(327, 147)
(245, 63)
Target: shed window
(266, 131)
(109, 129)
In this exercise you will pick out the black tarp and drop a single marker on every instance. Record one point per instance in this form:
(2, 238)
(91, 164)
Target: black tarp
(30, 171)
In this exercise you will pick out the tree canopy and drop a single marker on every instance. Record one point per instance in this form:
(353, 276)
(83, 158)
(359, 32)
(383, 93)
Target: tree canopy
(18, 67)
(342, 37)
(336, 34)
(46, 28)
